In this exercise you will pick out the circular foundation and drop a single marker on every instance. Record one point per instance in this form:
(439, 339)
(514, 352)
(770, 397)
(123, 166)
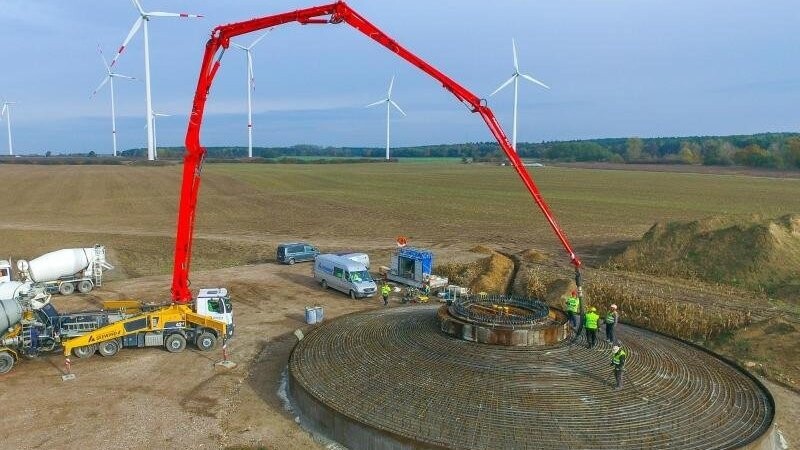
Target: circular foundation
(503, 321)
(390, 379)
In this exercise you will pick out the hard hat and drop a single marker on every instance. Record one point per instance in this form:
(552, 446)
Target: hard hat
(593, 309)
(615, 348)
(574, 293)
(613, 306)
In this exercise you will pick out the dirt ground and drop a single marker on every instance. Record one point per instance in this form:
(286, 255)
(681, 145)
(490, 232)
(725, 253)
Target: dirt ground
(146, 398)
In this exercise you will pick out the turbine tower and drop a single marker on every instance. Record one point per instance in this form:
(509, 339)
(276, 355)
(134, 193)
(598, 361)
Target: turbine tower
(251, 86)
(389, 103)
(155, 145)
(144, 18)
(109, 78)
(515, 78)
(6, 112)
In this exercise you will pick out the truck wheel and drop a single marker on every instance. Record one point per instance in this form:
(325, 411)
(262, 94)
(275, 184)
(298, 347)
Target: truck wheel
(175, 343)
(109, 348)
(291, 261)
(66, 288)
(205, 341)
(6, 362)
(84, 352)
(324, 284)
(85, 286)
(353, 294)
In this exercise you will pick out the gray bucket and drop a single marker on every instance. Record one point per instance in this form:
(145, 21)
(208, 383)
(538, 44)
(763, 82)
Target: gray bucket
(311, 315)
(320, 313)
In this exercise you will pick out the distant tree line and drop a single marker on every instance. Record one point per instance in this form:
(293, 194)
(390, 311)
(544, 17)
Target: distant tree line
(766, 150)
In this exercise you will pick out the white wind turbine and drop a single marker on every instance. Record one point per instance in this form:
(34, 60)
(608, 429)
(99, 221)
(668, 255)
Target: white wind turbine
(109, 78)
(155, 146)
(515, 78)
(251, 86)
(389, 103)
(144, 18)
(6, 112)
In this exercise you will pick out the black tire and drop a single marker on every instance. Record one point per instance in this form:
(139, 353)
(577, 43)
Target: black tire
(353, 294)
(66, 288)
(175, 343)
(109, 348)
(291, 261)
(324, 284)
(84, 352)
(85, 286)
(205, 341)
(6, 362)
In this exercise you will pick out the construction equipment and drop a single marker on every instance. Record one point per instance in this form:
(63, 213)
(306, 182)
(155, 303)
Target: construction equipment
(31, 325)
(334, 13)
(63, 271)
(412, 267)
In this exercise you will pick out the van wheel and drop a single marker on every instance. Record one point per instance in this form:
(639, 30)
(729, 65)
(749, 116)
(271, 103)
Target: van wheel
(66, 288)
(324, 284)
(85, 286)
(353, 294)
(175, 343)
(291, 261)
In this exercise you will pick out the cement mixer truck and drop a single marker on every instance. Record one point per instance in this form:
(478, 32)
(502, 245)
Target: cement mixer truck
(63, 271)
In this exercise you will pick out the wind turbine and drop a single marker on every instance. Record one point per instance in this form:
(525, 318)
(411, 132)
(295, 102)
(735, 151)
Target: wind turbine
(144, 18)
(389, 103)
(109, 78)
(515, 78)
(251, 86)
(6, 111)
(154, 115)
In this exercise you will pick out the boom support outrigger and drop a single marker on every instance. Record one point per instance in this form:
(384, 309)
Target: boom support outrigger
(333, 13)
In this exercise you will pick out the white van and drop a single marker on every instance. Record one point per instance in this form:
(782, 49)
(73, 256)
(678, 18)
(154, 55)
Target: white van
(344, 275)
(362, 258)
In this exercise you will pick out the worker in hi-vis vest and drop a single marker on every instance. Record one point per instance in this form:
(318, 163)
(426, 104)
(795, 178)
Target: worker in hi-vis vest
(590, 323)
(618, 361)
(573, 304)
(385, 291)
(611, 319)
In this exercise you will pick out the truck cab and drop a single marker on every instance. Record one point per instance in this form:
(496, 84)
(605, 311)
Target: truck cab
(216, 303)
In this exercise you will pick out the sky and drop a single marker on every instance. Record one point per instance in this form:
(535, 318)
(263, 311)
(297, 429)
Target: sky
(616, 68)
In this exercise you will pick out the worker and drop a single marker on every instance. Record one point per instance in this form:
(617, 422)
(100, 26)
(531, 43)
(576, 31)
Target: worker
(590, 323)
(611, 319)
(573, 306)
(618, 361)
(385, 290)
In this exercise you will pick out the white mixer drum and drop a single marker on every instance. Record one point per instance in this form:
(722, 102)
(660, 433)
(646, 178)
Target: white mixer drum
(60, 263)
(10, 314)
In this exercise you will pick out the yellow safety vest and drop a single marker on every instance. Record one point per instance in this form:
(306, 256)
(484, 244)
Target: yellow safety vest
(591, 320)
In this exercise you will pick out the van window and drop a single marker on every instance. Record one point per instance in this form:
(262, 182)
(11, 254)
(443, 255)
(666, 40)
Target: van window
(338, 272)
(310, 249)
(296, 249)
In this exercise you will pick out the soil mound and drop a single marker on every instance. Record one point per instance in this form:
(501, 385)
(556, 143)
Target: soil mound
(491, 274)
(756, 253)
(482, 249)
(533, 255)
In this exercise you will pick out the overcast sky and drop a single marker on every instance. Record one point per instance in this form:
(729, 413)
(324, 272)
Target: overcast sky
(616, 68)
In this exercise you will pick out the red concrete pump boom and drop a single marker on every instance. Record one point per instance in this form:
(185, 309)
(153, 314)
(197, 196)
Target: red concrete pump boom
(333, 13)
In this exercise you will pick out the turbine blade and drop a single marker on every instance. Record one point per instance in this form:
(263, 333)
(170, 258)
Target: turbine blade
(263, 35)
(391, 84)
(169, 14)
(239, 46)
(119, 75)
(103, 58)
(162, 115)
(100, 86)
(128, 38)
(398, 108)
(250, 73)
(530, 78)
(138, 7)
(503, 85)
(514, 48)
(376, 103)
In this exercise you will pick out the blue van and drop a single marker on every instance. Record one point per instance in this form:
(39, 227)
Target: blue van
(295, 252)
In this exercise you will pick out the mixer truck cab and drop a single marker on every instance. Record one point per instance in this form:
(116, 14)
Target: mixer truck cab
(345, 275)
(5, 271)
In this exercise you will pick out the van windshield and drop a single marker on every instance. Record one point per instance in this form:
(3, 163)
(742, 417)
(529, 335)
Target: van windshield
(358, 277)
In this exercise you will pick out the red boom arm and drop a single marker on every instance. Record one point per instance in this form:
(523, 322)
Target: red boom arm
(333, 13)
